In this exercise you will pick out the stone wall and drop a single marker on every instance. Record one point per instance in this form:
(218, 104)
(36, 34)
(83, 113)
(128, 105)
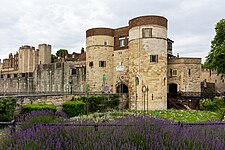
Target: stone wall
(55, 100)
(188, 74)
(120, 68)
(213, 77)
(60, 77)
(19, 82)
(99, 48)
(149, 74)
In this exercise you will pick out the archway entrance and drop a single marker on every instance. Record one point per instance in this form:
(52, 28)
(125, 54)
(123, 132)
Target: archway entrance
(121, 88)
(173, 90)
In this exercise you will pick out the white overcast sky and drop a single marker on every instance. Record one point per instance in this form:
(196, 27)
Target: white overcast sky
(63, 23)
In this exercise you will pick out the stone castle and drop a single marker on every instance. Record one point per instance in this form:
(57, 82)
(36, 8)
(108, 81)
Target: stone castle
(135, 59)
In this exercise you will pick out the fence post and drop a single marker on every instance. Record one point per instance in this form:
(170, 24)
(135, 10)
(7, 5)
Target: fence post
(96, 127)
(13, 129)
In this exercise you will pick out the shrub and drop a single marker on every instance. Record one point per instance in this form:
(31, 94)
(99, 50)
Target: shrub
(101, 103)
(114, 101)
(7, 108)
(212, 105)
(31, 107)
(74, 108)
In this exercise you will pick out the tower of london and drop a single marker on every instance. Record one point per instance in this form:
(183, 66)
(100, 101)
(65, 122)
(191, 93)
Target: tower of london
(136, 60)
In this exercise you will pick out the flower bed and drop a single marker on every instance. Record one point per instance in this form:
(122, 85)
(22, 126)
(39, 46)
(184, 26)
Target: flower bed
(138, 132)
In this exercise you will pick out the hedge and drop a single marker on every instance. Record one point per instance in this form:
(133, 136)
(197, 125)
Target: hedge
(7, 108)
(101, 103)
(73, 108)
(31, 107)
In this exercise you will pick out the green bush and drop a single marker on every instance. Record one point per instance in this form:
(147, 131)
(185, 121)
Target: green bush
(73, 108)
(101, 103)
(7, 108)
(114, 101)
(31, 107)
(213, 105)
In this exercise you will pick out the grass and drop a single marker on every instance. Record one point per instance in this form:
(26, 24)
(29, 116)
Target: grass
(170, 114)
(185, 115)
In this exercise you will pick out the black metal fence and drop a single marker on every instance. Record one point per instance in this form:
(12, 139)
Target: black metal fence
(13, 124)
(194, 95)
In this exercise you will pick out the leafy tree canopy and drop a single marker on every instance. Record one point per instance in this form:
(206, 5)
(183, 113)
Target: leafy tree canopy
(53, 58)
(216, 57)
(61, 51)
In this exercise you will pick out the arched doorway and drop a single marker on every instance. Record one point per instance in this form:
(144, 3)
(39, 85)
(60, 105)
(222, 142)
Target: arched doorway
(121, 88)
(173, 89)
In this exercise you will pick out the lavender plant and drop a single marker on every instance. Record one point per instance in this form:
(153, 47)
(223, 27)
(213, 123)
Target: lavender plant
(41, 116)
(131, 132)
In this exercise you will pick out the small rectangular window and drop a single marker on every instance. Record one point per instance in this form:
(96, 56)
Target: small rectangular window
(91, 64)
(23, 74)
(189, 72)
(122, 41)
(8, 75)
(153, 58)
(15, 75)
(174, 72)
(2, 76)
(146, 32)
(30, 74)
(102, 63)
(74, 71)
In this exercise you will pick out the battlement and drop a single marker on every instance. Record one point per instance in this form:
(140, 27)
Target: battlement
(184, 60)
(100, 31)
(146, 20)
(27, 47)
(44, 45)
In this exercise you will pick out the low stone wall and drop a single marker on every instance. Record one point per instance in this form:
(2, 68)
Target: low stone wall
(55, 100)
(59, 100)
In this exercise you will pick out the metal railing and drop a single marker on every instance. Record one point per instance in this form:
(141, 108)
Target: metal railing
(194, 95)
(33, 94)
(13, 124)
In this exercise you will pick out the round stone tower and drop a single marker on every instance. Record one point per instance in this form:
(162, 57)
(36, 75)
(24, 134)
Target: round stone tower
(148, 62)
(99, 55)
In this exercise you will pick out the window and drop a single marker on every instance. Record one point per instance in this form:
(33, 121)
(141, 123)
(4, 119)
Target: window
(102, 63)
(2, 76)
(74, 71)
(153, 58)
(8, 75)
(146, 32)
(105, 42)
(122, 41)
(15, 75)
(174, 73)
(30, 74)
(23, 74)
(91, 64)
(189, 72)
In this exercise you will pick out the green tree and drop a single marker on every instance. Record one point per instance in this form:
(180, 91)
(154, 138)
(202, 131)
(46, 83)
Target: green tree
(61, 51)
(53, 58)
(216, 57)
